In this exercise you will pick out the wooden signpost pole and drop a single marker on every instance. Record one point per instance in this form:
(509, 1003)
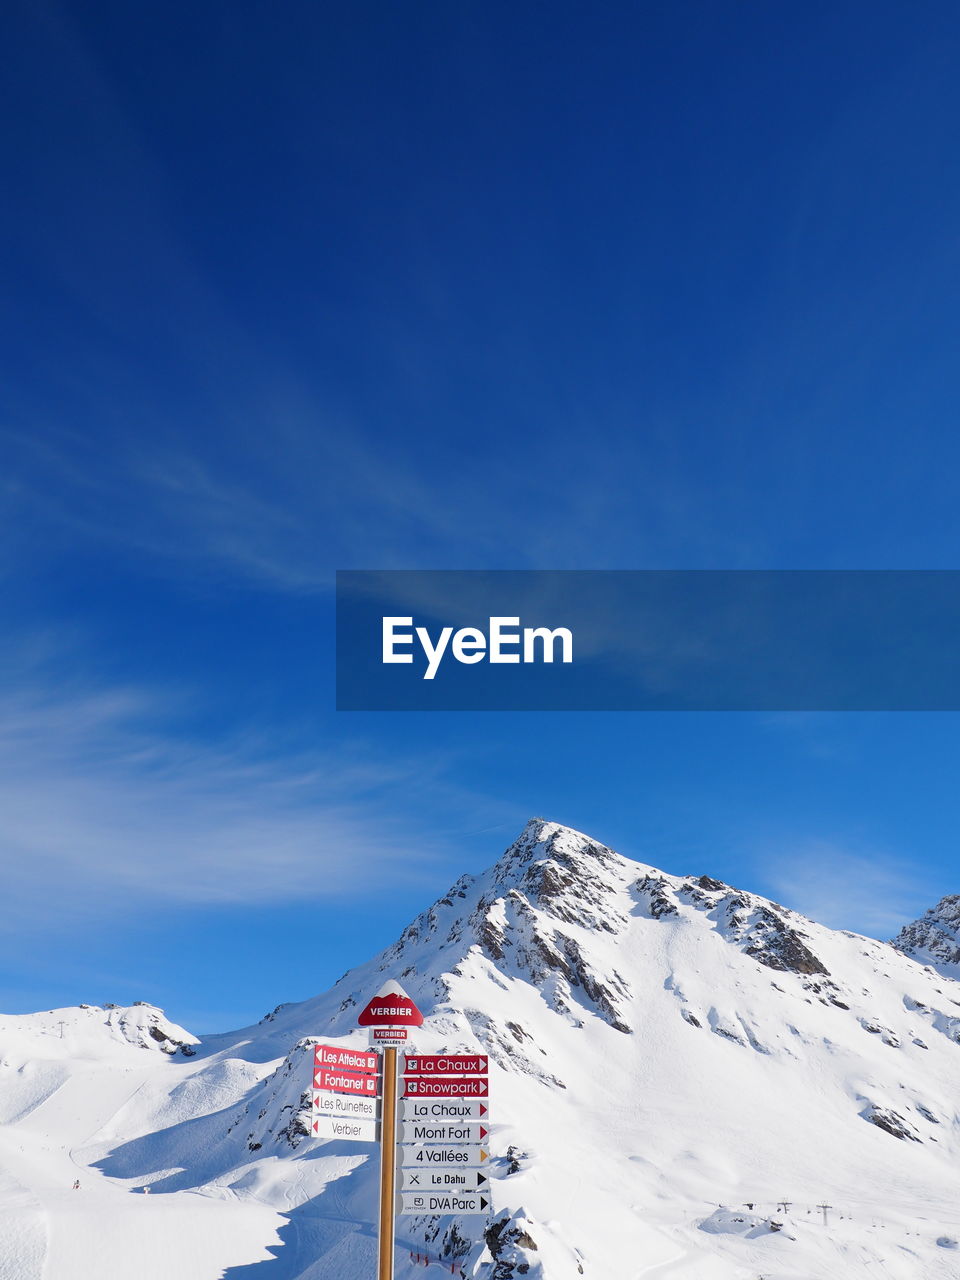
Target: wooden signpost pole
(388, 1164)
(389, 1014)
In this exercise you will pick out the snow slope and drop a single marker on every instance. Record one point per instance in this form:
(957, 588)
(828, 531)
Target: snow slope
(71, 1079)
(681, 1073)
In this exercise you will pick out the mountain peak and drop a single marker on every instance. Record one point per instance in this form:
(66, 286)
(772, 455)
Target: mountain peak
(542, 840)
(562, 872)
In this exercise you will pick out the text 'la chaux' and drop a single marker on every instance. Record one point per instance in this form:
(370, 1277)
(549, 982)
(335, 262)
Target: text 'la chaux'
(503, 641)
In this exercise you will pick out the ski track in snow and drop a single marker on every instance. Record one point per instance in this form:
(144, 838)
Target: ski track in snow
(673, 1266)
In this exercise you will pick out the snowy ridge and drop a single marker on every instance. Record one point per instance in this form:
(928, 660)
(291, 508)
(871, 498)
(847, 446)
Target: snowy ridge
(83, 1029)
(669, 1057)
(934, 939)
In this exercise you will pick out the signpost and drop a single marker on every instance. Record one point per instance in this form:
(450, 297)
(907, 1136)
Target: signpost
(438, 1122)
(390, 1010)
(388, 1167)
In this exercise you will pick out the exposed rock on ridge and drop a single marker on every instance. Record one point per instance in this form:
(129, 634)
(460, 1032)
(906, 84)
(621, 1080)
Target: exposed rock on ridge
(935, 937)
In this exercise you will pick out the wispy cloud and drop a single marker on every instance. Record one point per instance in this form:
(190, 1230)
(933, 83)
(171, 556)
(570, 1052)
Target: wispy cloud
(869, 892)
(104, 806)
(281, 519)
(300, 490)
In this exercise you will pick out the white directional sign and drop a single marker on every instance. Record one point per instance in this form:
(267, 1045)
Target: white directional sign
(443, 1110)
(353, 1130)
(447, 1157)
(412, 1202)
(443, 1180)
(345, 1107)
(450, 1132)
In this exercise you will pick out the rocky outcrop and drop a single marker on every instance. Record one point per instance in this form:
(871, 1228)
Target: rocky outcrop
(935, 938)
(511, 1246)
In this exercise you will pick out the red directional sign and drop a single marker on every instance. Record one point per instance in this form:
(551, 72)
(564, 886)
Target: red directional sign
(452, 1087)
(444, 1064)
(345, 1081)
(391, 1007)
(328, 1055)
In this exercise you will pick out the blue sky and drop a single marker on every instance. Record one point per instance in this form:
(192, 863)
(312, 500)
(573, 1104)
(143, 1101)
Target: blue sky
(499, 286)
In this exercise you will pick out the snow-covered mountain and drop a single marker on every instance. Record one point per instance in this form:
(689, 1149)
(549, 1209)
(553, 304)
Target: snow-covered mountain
(682, 1076)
